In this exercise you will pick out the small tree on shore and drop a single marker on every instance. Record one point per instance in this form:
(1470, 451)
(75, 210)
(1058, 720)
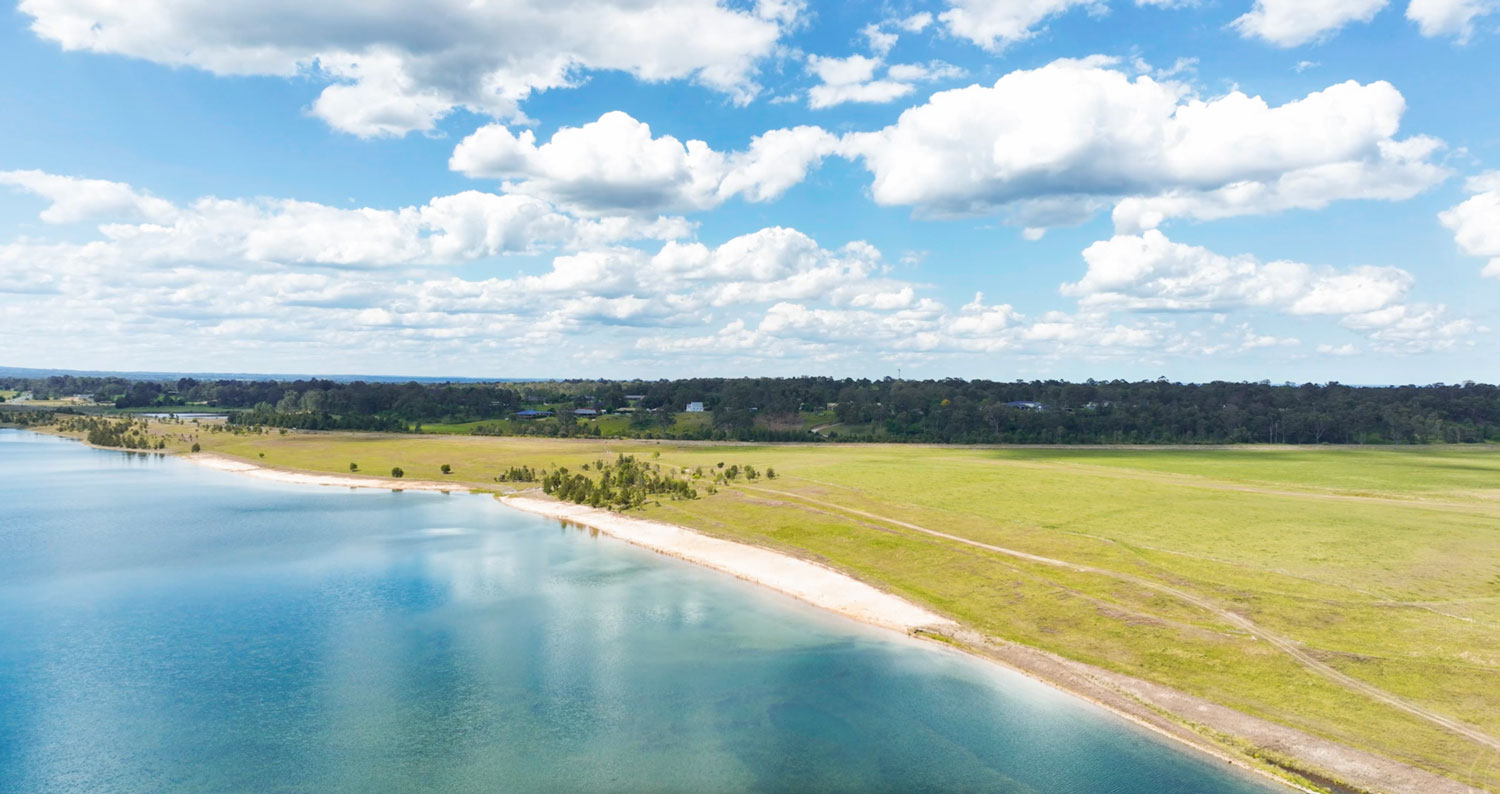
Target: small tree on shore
(447, 469)
(353, 466)
(197, 448)
(397, 472)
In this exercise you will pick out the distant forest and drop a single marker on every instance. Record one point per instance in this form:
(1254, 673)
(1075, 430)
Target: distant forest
(786, 409)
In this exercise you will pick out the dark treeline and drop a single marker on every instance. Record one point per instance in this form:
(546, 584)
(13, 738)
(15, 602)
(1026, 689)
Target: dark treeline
(1092, 412)
(780, 409)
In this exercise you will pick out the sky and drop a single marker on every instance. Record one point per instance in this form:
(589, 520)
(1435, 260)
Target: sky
(1292, 190)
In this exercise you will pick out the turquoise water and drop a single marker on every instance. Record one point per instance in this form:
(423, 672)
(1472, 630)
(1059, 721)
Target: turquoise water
(165, 628)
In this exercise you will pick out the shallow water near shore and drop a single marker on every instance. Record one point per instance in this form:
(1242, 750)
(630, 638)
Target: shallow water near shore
(167, 628)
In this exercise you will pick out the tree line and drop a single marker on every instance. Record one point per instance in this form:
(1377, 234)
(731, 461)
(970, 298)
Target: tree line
(773, 409)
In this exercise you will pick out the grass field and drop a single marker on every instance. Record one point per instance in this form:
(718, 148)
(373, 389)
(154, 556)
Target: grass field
(1382, 564)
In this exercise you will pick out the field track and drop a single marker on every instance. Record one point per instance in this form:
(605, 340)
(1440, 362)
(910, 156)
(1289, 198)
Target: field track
(1283, 644)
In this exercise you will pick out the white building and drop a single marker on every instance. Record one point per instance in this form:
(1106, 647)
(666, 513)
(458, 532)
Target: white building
(695, 408)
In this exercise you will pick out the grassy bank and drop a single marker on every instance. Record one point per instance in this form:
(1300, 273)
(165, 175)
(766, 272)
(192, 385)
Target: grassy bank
(1382, 564)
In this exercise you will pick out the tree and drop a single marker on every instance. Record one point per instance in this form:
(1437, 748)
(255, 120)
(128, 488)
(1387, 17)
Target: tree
(353, 466)
(447, 469)
(197, 448)
(397, 472)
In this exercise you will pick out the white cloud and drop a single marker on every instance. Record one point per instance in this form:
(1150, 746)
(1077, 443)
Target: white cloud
(1149, 272)
(916, 23)
(1449, 17)
(1154, 274)
(279, 277)
(393, 68)
(1052, 145)
(1413, 329)
(852, 79)
(615, 165)
(993, 24)
(881, 41)
(137, 229)
(1346, 349)
(1288, 23)
(74, 200)
(1476, 222)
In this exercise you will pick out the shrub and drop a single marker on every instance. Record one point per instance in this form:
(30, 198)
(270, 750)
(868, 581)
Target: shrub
(353, 466)
(447, 469)
(197, 448)
(397, 472)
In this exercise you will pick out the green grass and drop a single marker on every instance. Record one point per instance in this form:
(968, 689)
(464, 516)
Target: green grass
(1398, 471)
(1383, 562)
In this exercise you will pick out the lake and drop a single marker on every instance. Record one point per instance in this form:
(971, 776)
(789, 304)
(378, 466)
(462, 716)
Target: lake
(167, 628)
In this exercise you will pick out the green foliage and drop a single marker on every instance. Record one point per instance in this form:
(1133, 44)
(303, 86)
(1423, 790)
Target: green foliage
(126, 433)
(197, 447)
(397, 472)
(784, 409)
(353, 466)
(26, 418)
(517, 474)
(622, 484)
(446, 469)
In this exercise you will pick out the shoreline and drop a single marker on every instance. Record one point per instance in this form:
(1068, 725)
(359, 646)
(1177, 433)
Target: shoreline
(209, 460)
(806, 581)
(1184, 719)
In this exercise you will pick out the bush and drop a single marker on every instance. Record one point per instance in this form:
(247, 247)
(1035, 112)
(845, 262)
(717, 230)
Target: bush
(447, 469)
(197, 448)
(353, 466)
(397, 472)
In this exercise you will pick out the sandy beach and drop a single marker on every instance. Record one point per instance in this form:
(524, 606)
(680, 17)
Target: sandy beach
(808, 581)
(221, 463)
(817, 585)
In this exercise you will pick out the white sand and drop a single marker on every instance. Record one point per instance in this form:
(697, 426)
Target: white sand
(299, 478)
(808, 581)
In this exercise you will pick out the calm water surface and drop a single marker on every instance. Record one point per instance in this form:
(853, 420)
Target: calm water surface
(165, 628)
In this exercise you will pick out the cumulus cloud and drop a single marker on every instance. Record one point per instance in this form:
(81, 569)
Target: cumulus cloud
(1413, 329)
(393, 68)
(1149, 272)
(139, 229)
(1288, 23)
(916, 23)
(1053, 145)
(993, 24)
(1449, 17)
(880, 40)
(615, 165)
(280, 276)
(852, 79)
(75, 200)
(1476, 222)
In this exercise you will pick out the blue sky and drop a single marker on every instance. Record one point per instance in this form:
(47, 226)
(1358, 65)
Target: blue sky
(1246, 189)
